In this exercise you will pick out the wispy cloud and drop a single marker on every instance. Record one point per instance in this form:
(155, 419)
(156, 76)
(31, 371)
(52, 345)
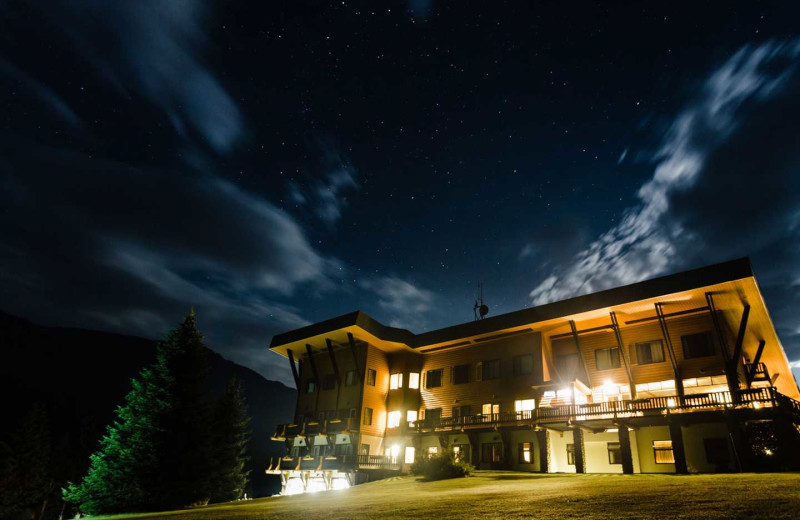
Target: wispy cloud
(327, 194)
(653, 238)
(404, 304)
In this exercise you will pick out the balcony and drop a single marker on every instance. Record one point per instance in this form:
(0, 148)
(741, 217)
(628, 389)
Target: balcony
(312, 428)
(332, 463)
(751, 398)
(756, 372)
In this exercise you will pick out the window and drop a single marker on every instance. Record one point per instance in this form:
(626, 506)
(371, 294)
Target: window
(697, 345)
(462, 411)
(570, 454)
(523, 364)
(607, 358)
(524, 405)
(395, 381)
(614, 453)
(353, 413)
(492, 452)
(371, 377)
(490, 408)
(433, 379)
(394, 419)
(364, 449)
(350, 378)
(432, 415)
(567, 364)
(311, 386)
(461, 452)
(662, 451)
(489, 369)
(368, 416)
(649, 352)
(717, 451)
(525, 453)
(433, 450)
(411, 416)
(460, 374)
(329, 383)
(413, 380)
(410, 454)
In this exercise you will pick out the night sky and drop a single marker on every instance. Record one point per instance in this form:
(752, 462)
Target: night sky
(273, 164)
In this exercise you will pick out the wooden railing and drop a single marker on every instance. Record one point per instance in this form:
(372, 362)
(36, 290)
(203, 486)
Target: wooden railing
(332, 462)
(378, 462)
(612, 409)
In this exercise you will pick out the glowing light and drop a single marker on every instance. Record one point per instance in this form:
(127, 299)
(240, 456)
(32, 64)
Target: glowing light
(756, 405)
(410, 454)
(394, 419)
(294, 486)
(413, 380)
(671, 402)
(394, 451)
(411, 416)
(339, 483)
(768, 451)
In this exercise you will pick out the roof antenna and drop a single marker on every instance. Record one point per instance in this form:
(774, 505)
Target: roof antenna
(480, 310)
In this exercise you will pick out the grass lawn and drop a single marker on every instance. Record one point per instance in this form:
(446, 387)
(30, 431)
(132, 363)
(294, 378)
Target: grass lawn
(506, 494)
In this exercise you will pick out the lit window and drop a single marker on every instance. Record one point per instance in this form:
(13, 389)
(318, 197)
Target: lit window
(413, 380)
(396, 381)
(570, 454)
(525, 453)
(433, 450)
(662, 450)
(368, 416)
(394, 419)
(411, 416)
(410, 453)
(524, 405)
(490, 408)
(371, 375)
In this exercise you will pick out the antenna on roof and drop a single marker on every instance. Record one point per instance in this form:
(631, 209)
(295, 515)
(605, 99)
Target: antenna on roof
(480, 310)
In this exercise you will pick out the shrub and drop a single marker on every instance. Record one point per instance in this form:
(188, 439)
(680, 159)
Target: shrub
(441, 466)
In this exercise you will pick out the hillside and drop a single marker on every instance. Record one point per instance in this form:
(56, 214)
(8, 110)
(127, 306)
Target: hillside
(82, 375)
(527, 495)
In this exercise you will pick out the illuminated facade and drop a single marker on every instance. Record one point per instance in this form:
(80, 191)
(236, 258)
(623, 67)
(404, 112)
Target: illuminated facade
(678, 374)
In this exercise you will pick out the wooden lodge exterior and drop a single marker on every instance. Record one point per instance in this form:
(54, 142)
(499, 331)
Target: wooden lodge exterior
(683, 373)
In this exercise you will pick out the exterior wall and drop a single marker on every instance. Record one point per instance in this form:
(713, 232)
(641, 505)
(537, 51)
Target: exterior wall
(376, 444)
(596, 452)
(488, 438)
(693, 439)
(515, 438)
(558, 452)
(644, 444)
(503, 390)
(375, 396)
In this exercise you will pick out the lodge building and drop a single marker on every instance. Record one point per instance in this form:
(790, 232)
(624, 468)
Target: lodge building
(679, 374)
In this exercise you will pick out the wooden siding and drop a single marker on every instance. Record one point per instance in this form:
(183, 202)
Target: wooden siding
(504, 390)
(375, 396)
(348, 396)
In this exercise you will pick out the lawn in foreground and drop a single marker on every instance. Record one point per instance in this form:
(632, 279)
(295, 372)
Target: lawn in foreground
(506, 494)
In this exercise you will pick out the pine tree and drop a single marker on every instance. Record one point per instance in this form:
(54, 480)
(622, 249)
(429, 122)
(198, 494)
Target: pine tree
(157, 453)
(231, 437)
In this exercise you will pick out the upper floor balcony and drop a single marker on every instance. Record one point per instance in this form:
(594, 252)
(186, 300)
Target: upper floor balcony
(333, 462)
(752, 398)
(312, 428)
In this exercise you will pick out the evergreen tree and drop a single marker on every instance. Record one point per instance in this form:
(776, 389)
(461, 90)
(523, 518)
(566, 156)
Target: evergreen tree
(231, 437)
(157, 453)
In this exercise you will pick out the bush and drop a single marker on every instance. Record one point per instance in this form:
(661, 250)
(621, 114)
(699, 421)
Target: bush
(441, 466)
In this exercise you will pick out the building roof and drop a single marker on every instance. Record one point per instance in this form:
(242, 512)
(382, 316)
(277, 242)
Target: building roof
(674, 283)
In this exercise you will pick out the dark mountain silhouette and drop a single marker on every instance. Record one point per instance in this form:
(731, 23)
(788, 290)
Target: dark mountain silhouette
(81, 376)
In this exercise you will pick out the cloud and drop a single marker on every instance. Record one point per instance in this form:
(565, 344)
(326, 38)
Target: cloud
(154, 49)
(327, 195)
(98, 243)
(404, 304)
(725, 184)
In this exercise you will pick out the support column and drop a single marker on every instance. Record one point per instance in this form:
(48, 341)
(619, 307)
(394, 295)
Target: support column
(741, 449)
(543, 440)
(678, 450)
(625, 449)
(580, 459)
(668, 341)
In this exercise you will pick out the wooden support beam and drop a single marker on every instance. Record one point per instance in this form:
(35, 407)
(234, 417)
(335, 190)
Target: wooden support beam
(333, 361)
(580, 354)
(352, 342)
(754, 365)
(316, 376)
(294, 369)
(712, 308)
(673, 359)
(623, 354)
(737, 349)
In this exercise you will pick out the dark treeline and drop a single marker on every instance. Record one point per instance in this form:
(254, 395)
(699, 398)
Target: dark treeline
(173, 443)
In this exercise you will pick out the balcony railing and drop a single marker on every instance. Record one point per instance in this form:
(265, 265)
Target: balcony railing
(332, 462)
(312, 428)
(751, 398)
(756, 371)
